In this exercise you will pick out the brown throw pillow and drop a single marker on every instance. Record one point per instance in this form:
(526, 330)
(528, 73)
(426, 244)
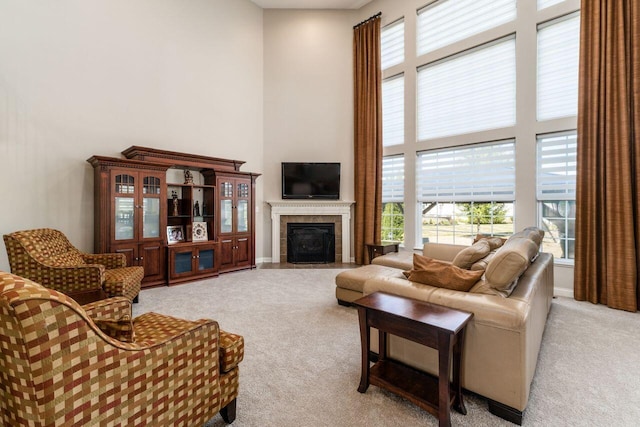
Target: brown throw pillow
(468, 256)
(494, 242)
(120, 329)
(441, 274)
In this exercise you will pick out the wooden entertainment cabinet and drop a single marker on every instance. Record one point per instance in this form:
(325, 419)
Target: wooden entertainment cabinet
(138, 197)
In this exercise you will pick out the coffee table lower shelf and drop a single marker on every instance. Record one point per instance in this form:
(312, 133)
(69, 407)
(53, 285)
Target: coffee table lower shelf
(416, 386)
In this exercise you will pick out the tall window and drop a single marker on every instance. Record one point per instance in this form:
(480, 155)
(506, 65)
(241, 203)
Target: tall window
(556, 192)
(392, 44)
(447, 21)
(393, 111)
(472, 91)
(558, 51)
(393, 198)
(457, 196)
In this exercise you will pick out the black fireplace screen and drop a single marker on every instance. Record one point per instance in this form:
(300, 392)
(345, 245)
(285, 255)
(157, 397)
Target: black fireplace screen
(309, 243)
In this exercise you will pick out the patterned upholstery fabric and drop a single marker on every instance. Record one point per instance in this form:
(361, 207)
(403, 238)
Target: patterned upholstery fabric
(46, 256)
(57, 368)
(231, 351)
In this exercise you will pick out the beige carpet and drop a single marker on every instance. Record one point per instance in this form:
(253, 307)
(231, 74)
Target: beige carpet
(302, 357)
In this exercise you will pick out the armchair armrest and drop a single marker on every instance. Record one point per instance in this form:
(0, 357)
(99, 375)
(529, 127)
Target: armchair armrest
(109, 261)
(113, 308)
(70, 279)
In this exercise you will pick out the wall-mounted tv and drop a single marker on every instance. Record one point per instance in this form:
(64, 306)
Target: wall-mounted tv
(310, 180)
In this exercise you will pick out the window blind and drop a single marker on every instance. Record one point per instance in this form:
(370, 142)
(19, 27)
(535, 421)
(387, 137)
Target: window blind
(556, 166)
(447, 21)
(392, 44)
(472, 91)
(393, 179)
(477, 173)
(558, 53)
(393, 111)
(546, 3)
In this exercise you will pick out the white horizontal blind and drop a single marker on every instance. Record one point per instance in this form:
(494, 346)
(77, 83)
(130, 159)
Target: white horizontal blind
(447, 21)
(546, 3)
(556, 168)
(393, 179)
(476, 173)
(470, 92)
(393, 111)
(392, 44)
(558, 53)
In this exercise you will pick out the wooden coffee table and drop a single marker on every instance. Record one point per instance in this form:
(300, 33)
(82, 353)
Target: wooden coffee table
(429, 324)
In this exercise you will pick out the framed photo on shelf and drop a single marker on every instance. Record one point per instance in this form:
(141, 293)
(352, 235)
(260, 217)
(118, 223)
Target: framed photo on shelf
(199, 232)
(175, 234)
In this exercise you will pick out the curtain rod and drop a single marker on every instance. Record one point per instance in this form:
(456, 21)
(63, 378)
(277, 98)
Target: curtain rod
(367, 20)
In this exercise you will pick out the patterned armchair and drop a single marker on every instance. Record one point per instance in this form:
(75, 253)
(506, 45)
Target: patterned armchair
(47, 257)
(58, 368)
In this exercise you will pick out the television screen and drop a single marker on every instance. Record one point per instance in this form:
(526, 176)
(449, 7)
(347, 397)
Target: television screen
(311, 180)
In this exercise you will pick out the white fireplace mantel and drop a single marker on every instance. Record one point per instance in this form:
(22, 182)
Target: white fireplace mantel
(310, 207)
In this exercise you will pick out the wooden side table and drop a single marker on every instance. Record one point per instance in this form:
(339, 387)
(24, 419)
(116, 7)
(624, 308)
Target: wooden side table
(381, 249)
(429, 324)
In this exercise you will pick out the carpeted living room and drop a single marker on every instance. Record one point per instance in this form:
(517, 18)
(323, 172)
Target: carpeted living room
(319, 212)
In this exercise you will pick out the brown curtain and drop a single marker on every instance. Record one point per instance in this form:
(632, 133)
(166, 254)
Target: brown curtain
(367, 82)
(607, 259)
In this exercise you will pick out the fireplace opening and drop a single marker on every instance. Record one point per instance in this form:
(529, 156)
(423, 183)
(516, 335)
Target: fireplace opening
(309, 243)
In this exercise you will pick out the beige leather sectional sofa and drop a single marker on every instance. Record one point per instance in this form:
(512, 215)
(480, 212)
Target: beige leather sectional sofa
(503, 338)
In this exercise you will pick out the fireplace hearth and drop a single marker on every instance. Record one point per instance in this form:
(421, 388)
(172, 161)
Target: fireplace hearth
(309, 243)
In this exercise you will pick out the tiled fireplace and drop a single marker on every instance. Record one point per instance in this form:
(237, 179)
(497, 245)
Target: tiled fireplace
(284, 212)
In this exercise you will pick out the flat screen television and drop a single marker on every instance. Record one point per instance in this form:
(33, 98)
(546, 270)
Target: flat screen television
(310, 180)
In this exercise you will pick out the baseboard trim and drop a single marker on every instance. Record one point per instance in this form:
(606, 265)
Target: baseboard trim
(562, 292)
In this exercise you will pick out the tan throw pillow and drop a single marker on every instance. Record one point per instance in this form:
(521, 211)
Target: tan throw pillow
(120, 329)
(468, 256)
(509, 262)
(441, 274)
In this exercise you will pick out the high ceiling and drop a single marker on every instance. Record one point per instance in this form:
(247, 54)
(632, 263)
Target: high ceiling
(311, 4)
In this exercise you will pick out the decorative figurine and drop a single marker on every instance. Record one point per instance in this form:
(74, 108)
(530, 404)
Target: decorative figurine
(174, 196)
(188, 177)
(196, 209)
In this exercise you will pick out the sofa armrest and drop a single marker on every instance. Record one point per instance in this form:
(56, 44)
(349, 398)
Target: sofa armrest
(109, 261)
(441, 251)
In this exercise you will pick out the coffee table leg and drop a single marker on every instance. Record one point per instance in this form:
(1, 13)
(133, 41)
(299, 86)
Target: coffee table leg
(364, 342)
(458, 402)
(444, 368)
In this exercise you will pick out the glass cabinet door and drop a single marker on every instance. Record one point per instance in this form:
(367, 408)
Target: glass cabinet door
(226, 216)
(151, 207)
(124, 207)
(242, 211)
(226, 206)
(243, 218)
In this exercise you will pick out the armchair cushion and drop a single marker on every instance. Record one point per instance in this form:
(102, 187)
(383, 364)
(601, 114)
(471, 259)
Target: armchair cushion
(119, 328)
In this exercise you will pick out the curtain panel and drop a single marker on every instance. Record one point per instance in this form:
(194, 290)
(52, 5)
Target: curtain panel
(367, 82)
(607, 259)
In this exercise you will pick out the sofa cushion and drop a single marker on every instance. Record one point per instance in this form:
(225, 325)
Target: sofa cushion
(354, 278)
(468, 256)
(441, 274)
(509, 262)
(66, 259)
(402, 260)
(533, 233)
(482, 263)
(494, 241)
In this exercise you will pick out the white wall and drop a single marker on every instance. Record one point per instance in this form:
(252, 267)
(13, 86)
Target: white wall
(79, 78)
(308, 96)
